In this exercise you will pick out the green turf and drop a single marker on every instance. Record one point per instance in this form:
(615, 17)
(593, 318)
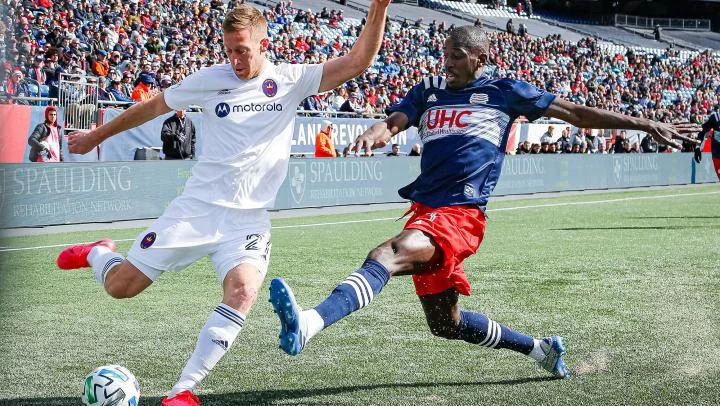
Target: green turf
(632, 285)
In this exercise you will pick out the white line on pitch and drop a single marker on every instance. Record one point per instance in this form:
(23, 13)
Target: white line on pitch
(536, 206)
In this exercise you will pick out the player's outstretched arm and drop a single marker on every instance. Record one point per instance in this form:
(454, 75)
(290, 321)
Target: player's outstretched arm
(339, 70)
(378, 135)
(82, 142)
(589, 117)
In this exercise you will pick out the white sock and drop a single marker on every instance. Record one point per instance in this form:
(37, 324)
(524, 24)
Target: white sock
(216, 337)
(314, 322)
(103, 260)
(537, 352)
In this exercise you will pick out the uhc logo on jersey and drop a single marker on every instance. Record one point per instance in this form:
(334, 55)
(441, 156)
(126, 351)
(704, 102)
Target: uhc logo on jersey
(476, 121)
(269, 87)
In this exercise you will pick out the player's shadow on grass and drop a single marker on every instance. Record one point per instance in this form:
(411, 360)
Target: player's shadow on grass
(673, 217)
(288, 396)
(632, 228)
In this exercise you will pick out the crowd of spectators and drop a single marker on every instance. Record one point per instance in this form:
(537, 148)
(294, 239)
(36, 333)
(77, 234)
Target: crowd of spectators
(136, 49)
(589, 141)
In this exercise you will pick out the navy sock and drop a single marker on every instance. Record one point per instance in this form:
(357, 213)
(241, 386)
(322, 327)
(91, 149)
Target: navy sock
(477, 328)
(354, 293)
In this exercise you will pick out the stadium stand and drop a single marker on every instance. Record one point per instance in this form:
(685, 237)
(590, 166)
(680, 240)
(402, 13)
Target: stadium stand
(166, 40)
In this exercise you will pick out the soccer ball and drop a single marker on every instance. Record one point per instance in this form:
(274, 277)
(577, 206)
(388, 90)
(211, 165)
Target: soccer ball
(110, 385)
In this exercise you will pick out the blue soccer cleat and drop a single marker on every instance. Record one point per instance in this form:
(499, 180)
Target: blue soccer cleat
(292, 337)
(554, 350)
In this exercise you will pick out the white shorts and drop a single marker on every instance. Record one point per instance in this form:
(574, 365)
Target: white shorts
(191, 229)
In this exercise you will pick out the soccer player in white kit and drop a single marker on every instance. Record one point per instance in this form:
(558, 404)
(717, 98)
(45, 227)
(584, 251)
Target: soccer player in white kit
(248, 117)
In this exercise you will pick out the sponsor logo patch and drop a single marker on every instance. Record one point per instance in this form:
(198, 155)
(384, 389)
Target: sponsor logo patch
(432, 98)
(478, 98)
(269, 87)
(469, 190)
(222, 110)
(148, 240)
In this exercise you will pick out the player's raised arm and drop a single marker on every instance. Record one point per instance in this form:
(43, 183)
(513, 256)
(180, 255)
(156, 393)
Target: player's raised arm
(82, 142)
(588, 117)
(339, 70)
(378, 135)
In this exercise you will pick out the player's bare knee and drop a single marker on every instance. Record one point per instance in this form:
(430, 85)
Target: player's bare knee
(239, 294)
(382, 252)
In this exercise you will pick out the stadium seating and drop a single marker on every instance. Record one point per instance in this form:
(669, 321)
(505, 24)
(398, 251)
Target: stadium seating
(682, 84)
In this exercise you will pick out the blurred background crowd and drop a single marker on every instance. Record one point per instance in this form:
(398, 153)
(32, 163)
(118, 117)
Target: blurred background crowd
(134, 49)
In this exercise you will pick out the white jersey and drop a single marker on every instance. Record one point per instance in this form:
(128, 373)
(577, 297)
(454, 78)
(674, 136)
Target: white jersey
(247, 129)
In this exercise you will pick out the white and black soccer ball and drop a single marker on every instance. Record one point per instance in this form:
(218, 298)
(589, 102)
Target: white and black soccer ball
(110, 385)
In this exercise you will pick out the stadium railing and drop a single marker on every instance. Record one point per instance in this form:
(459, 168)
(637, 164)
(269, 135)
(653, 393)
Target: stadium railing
(624, 20)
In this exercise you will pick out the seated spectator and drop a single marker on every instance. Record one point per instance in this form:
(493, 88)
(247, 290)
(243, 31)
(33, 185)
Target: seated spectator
(535, 148)
(576, 147)
(17, 87)
(621, 142)
(649, 145)
(100, 66)
(394, 151)
(144, 89)
(563, 143)
(594, 141)
(115, 89)
(544, 147)
(523, 148)
(126, 86)
(354, 104)
(37, 71)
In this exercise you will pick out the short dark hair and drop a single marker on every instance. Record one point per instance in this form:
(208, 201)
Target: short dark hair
(471, 38)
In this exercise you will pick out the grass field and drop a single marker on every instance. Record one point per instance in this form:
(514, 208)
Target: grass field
(630, 279)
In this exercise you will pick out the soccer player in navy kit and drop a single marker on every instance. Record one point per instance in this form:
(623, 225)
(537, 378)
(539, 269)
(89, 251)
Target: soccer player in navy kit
(712, 123)
(463, 120)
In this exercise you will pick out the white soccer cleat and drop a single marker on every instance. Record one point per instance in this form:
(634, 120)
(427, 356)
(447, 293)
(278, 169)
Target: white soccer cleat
(554, 350)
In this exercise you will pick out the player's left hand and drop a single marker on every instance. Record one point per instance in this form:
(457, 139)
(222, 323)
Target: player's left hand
(665, 133)
(698, 154)
(82, 142)
(365, 143)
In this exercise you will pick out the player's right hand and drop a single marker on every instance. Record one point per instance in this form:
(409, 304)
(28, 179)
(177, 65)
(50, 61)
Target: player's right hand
(82, 142)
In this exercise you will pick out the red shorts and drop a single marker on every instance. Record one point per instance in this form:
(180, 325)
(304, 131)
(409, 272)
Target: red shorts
(458, 231)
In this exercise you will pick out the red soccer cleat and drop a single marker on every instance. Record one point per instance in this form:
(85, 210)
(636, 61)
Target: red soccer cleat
(75, 257)
(184, 398)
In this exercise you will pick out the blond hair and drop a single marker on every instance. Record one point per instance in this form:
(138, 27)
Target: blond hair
(245, 16)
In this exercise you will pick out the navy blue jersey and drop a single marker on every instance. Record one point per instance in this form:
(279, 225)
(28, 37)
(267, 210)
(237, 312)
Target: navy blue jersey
(464, 135)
